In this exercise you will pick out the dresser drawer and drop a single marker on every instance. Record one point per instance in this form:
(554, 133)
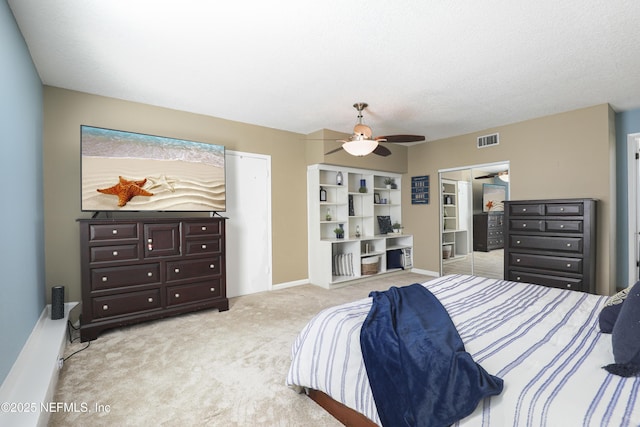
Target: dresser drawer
(575, 209)
(109, 232)
(116, 277)
(563, 264)
(193, 292)
(572, 283)
(190, 269)
(526, 225)
(131, 302)
(113, 253)
(526, 209)
(209, 246)
(202, 228)
(564, 244)
(564, 226)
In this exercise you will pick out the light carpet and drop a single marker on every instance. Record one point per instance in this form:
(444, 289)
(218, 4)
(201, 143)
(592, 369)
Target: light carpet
(207, 368)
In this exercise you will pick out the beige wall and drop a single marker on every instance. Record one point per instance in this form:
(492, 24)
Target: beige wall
(578, 166)
(65, 111)
(566, 155)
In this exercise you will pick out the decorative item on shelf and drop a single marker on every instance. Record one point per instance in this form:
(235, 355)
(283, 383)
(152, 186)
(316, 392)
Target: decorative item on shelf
(388, 182)
(352, 211)
(384, 224)
(363, 186)
(448, 200)
(376, 198)
(328, 216)
(339, 232)
(339, 178)
(446, 251)
(357, 231)
(397, 227)
(323, 194)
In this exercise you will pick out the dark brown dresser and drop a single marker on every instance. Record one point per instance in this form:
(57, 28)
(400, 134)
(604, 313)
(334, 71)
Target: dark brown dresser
(488, 231)
(551, 243)
(136, 270)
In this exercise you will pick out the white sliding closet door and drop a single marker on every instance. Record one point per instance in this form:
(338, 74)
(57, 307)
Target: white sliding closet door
(249, 224)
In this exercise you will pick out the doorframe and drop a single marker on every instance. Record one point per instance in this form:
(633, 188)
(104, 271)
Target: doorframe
(633, 236)
(454, 169)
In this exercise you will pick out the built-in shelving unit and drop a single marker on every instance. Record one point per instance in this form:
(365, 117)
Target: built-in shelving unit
(454, 240)
(353, 200)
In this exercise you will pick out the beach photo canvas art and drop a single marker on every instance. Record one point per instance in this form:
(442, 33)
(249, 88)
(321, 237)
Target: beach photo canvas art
(126, 171)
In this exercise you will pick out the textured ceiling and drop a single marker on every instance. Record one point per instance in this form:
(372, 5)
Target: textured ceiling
(434, 68)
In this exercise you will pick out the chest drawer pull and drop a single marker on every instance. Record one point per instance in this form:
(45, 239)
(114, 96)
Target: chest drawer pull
(104, 278)
(568, 285)
(150, 299)
(561, 225)
(204, 246)
(517, 259)
(524, 225)
(517, 242)
(212, 289)
(561, 209)
(177, 295)
(211, 266)
(114, 231)
(177, 270)
(568, 245)
(204, 228)
(150, 274)
(115, 253)
(105, 307)
(518, 278)
(568, 265)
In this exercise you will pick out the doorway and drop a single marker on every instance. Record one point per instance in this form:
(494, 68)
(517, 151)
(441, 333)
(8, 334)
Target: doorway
(249, 225)
(472, 206)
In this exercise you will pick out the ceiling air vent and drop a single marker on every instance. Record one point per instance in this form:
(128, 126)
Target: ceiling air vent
(488, 140)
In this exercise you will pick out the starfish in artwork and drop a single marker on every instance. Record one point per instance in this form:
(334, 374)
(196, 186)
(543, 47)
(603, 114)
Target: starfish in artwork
(126, 189)
(162, 181)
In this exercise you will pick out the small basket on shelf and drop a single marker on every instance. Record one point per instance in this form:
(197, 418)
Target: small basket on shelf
(370, 265)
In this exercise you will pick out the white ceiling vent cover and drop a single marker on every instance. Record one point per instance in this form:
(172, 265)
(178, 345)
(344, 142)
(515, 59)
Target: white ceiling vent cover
(488, 140)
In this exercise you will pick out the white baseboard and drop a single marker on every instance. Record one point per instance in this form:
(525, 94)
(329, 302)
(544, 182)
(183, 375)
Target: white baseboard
(34, 375)
(289, 284)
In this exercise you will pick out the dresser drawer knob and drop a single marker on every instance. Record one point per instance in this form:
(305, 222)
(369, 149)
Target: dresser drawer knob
(518, 278)
(517, 242)
(568, 245)
(211, 266)
(150, 274)
(561, 225)
(524, 225)
(104, 278)
(204, 246)
(517, 259)
(561, 209)
(524, 209)
(177, 270)
(177, 295)
(204, 228)
(105, 307)
(569, 265)
(212, 289)
(115, 253)
(150, 299)
(114, 231)
(568, 285)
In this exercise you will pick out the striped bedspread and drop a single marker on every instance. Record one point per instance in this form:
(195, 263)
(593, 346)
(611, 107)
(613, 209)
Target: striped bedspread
(543, 342)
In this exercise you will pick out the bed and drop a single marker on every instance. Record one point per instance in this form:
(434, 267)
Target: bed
(543, 342)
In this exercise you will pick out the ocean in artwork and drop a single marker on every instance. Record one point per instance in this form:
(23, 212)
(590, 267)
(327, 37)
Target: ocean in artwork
(181, 175)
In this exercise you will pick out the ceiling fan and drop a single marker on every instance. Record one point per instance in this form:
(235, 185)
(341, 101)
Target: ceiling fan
(362, 142)
(502, 175)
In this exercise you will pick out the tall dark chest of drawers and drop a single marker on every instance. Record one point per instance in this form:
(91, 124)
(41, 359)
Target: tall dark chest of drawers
(136, 270)
(488, 231)
(551, 242)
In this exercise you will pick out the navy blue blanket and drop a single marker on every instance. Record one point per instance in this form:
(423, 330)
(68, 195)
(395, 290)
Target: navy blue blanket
(418, 369)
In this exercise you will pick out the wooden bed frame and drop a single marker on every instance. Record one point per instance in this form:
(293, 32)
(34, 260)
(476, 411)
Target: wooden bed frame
(342, 413)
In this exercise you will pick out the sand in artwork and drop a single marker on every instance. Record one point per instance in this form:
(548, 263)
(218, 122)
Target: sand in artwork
(177, 185)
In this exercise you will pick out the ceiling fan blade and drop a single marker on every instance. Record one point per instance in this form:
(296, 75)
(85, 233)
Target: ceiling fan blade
(402, 138)
(382, 151)
(334, 151)
(491, 175)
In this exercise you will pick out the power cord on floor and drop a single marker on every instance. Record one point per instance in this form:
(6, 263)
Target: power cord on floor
(71, 329)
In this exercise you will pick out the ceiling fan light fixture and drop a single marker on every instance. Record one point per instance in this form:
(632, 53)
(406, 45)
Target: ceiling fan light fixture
(504, 177)
(360, 147)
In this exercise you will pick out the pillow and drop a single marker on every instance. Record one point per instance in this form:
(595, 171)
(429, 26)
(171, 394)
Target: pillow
(611, 310)
(626, 345)
(384, 223)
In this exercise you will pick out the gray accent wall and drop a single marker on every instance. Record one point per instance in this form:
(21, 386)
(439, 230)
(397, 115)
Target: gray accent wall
(22, 289)
(626, 123)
